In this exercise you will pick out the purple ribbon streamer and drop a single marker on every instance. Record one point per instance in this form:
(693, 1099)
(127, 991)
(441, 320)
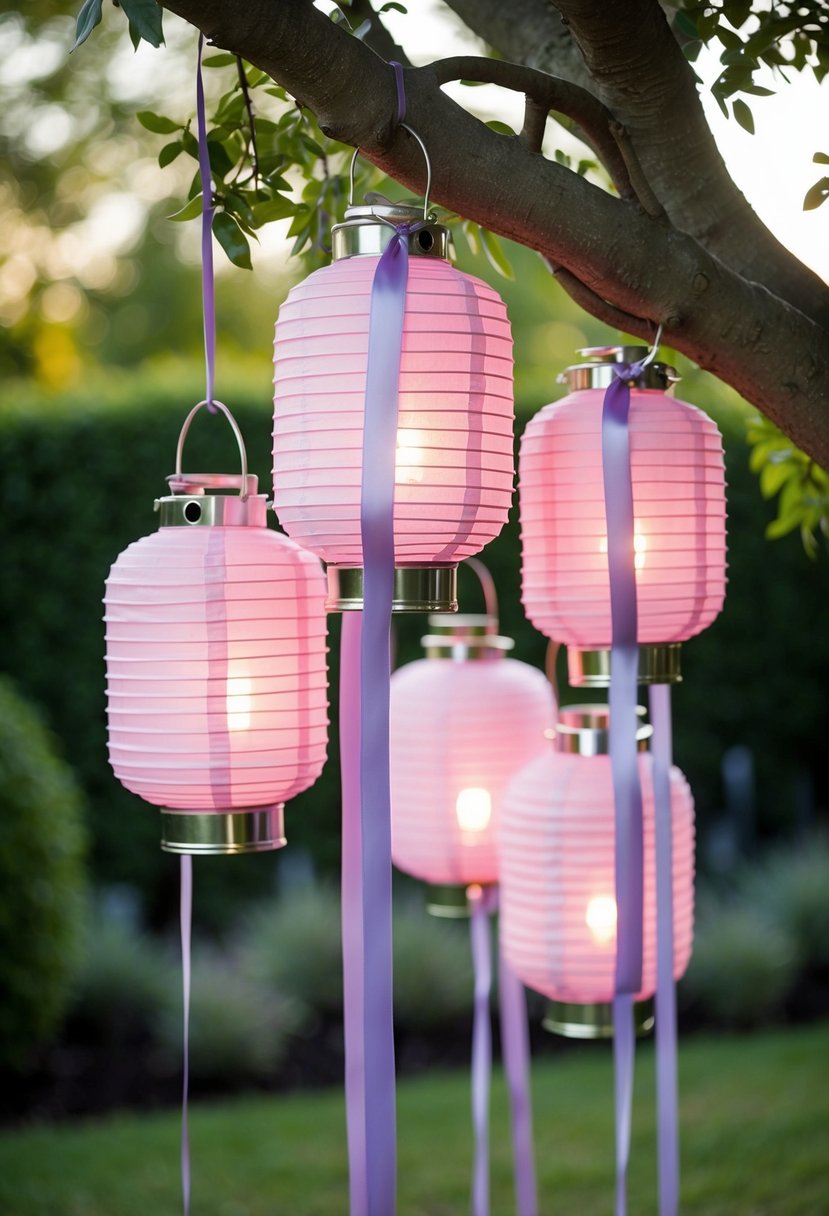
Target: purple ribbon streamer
(352, 907)
(515, 1049)
(401, 90)
(481, 904)
(624, 668)
(367, 954)
(186, 922)
(667, 1089)
(624, 1050)
(207, 284)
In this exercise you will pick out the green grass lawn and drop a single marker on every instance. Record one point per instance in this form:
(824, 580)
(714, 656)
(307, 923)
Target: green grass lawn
(755, 1142)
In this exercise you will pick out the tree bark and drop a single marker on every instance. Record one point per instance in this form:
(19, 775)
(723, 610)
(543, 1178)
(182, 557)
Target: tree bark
(767, 349)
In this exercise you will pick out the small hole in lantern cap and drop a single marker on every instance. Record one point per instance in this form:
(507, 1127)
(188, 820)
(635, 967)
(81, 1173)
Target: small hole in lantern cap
(192, 512)
(425, 240)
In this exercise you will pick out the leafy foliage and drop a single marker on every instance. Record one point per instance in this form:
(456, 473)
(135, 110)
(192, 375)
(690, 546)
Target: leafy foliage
(802, 486)
(42, 881)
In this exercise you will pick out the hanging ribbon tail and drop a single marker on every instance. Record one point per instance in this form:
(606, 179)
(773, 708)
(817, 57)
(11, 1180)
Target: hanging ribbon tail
(370, 1097)
(624, 761)
(667, 1088)
(480, 940)
(352, 908)
(186, 923)
(207, 280)
(515, 1049)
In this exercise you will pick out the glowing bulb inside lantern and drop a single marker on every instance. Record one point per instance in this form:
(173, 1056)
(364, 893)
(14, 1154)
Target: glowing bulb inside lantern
(238, 702)
(473, 808)
(410, 456)
(640, 548)
(600, 918)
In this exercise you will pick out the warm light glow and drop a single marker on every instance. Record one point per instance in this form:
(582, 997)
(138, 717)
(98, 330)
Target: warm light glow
(238, 701)
(600, 918)
(473, 809)
(410, 456)
(640, 548)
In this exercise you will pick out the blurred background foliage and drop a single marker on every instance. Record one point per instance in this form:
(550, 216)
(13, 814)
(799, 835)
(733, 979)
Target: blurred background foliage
(100, 358)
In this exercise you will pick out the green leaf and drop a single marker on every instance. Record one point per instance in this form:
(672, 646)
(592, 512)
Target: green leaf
(816, 195)
(231, 238)
(223, 60)
(392, 4)
(89, 16)
(495, 254)
(774, 476)
(500, 128)
(189, 211)
(146, 17)
(782, 525)
(278, 208)
(169, 153)
(685, 25)
(744, 116)
(820, 158)
(221, 163)
(157, 122)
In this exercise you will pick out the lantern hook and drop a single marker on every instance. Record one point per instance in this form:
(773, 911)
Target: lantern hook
(411, 131)
(240, 443)
(651, 355)
(488, 587)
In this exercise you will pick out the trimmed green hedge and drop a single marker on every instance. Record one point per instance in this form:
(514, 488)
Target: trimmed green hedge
(79, 478)
(42, 881)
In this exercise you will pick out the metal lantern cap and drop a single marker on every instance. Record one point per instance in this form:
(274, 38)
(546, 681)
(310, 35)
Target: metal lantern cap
(464, 636)
(257, 829)
(584, 730)
(367, 230)
(599, 371)
(194, 501)
(416, 589)
(595, 1021)
(658, 664)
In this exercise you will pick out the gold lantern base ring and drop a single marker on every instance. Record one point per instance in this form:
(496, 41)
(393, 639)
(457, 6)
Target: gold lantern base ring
(256, 829)
(416, 589)
(657, 665)
(593, 1021)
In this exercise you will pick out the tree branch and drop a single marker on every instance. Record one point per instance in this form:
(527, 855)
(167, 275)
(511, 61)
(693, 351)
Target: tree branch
(766, 349)
(549, 93)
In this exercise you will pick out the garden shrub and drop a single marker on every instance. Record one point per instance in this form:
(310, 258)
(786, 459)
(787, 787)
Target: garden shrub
(743, 966)
(239, 1030)
(123, 983)
(432, 969)
(42, 880)
(791, 887)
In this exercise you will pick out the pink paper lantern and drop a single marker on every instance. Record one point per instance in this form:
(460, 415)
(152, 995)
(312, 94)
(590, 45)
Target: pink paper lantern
(454, 471)
(557, 857)
(463, 721)
(216, 670)
(679, 511)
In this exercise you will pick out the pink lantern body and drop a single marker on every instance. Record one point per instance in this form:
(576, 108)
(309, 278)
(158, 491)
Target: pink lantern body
(216, 665)
(679, 512)
(454, 469)
(460, 729)
(558, 910)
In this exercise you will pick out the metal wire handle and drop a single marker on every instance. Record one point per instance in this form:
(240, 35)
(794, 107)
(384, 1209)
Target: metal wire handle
(234, 426)
(488, 587)
(411, 131)
(651, 355)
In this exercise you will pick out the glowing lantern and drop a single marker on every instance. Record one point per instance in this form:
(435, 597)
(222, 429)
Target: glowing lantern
(679, 519)
(454, 441)
(216, 668)
(463, 721)
(558, 907)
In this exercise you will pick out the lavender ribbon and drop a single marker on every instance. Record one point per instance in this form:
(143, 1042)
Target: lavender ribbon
(367, 952)
(207, 284)
(667, 1098)
(186, 922)
(515, 1049)
(629, 851)
(481, 902)
(352, 907)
